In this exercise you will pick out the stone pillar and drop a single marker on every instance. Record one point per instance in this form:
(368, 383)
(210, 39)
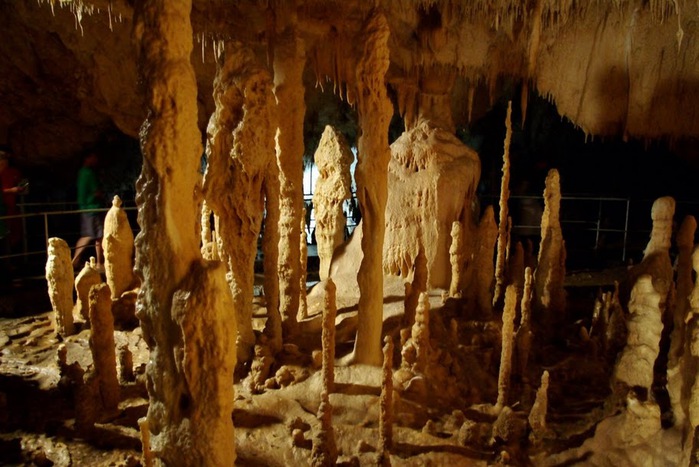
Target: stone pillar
(59, 277)
(289, 62)
(84, 281)
(118, 250)
(375, 111)
(241, 149)
(386, 405)
(270, 250)
(334, 185)
(184, 304)
(550, 272)
(103, 348)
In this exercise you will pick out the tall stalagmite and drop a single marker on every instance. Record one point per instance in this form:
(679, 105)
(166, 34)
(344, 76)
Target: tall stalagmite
(289, 62)
(102, 346)
(480, 288)
(375, 111)
(508, 326)
(386, 405)
(550, 272)
(334, 185)
(240, 149)
(456, 259)
(84, 281)
(59, 276)
(118, 250)
(503, 230)
(184, 304)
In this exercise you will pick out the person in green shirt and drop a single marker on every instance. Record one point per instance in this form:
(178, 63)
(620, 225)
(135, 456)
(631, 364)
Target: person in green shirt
(89, 197)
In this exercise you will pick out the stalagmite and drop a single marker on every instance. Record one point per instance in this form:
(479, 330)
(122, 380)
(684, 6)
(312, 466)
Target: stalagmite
(375, 111)
(59, 277)
(289, 62)
(102, 346)
(333, 159)
(635, 366)
(386, 405)
(524, 332)
(693, 344)
(503, 231)
(420, 334)
(550, 272)
(324, 451)
(456, 258)
(185, 305)
(125, 356)
(270, 251)
(144, 429)
(209, 250)
(84, 281)
(480, 289)
(241, 149)
(303, 273)
(515, 269)
(508, 325)
(118, 250)
(685, 245)
(537, 416)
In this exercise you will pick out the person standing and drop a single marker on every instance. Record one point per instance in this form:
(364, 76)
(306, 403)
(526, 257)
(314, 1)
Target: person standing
(89, 197)
(11, 181)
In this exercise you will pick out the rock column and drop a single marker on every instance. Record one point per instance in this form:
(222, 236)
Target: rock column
(184, 304)
(375, 111)
(102, 346)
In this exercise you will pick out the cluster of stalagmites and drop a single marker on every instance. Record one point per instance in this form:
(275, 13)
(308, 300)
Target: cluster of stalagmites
(100, 306)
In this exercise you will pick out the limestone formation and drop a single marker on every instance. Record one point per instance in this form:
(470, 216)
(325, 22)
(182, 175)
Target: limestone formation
(270, 251)
(480, 289)
(524, 334)
(456, 258)
(125, 356)
(324, 451)
(240, 150)
(334, 185)
(59, 277)
(84, 281)
(209, 250)
(102, 347)
(550, 272)
(420, 334)
(288, 62)
(537, 415)
(635, 366)
(503, 231)
(328, 336)
(303, 273)
(386, 405)
(184, 306)
(144, 429)
(508, 324)
(118, 250)
(374, 111)
(414, 288)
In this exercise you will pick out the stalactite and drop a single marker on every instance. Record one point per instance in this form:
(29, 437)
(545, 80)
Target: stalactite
(456, 258)
(550, 271)
(375, 111)
(118, 250)
(59, 277)
(102, 347)
(184, 305)
(288, 63)
(503, 233)
(386, 405)
(508, 324)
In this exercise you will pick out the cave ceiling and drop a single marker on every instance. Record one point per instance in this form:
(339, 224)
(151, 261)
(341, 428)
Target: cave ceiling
(613, 68)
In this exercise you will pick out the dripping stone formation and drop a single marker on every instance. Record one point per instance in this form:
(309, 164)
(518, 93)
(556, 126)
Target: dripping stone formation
(432, 333)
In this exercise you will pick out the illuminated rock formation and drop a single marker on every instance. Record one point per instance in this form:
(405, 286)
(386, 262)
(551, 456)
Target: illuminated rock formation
(84, 281)
(118, 250)
(480, 287)
(375, 111)
(185, 305)
(635, 366)
(240, 153)
(503, 230)
(549, 296)
(456, 258)
(537, 415)
(386, 405)
(508, 325)
(102, 347)
(334, 185)
(59, 277)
